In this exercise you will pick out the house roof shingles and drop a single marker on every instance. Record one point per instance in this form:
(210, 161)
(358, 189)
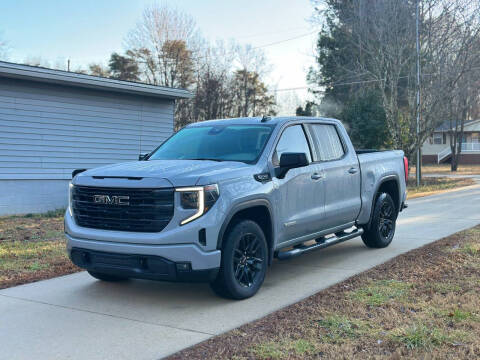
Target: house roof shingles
(471, 125)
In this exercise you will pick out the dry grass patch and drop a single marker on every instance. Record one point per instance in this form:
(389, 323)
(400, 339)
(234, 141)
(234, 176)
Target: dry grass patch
(423, 304)
(445, 169)
(32, 247)
(434, 185)
(284, 349)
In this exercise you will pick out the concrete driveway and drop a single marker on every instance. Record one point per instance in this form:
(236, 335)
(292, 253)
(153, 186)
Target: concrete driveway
(77, 317)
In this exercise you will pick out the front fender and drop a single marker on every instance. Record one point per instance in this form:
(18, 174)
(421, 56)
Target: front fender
(243, 205)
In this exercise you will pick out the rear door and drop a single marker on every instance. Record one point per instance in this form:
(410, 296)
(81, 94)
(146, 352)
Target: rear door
(341, 175)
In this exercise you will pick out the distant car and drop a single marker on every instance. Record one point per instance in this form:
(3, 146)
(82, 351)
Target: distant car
(220, 199)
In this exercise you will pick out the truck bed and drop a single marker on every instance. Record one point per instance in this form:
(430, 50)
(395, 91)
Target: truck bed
(375, 164)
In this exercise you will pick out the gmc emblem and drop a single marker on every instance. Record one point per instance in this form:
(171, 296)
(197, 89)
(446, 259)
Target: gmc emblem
(111, 200)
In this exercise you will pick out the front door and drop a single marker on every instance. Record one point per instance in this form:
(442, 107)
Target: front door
(300, 194)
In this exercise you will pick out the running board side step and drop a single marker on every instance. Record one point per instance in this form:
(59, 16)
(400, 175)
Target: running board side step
(302, 249)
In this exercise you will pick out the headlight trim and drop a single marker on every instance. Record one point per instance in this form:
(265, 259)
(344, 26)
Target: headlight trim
(70, 198)
(203, 204)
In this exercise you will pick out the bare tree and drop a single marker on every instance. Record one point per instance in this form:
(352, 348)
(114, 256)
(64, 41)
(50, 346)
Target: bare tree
(163, 44)
(226, 80)
(99, 70)
(213, 98)
(230, 83)
(253, 65)
(382, 32)
(37, 61)
(452, 74)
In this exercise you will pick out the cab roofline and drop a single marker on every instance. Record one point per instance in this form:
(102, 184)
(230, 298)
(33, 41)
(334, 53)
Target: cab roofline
(259, 120)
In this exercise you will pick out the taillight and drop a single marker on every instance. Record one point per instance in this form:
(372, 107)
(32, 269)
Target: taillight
(405, 165)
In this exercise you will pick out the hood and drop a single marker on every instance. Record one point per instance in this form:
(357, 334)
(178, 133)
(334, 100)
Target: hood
(178, 172)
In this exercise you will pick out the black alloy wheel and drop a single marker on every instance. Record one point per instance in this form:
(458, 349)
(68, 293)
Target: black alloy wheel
(381, 230)
(244, 261)
(386, 221)
(247, 259)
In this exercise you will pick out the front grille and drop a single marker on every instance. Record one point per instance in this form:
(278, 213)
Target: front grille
(148, 210)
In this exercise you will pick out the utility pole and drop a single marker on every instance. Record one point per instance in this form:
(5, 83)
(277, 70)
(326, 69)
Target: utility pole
(419, 157)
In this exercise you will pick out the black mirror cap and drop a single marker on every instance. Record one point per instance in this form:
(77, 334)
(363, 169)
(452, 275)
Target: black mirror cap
(293, 160)
(77, 171)
(142, 157)
(290, 161)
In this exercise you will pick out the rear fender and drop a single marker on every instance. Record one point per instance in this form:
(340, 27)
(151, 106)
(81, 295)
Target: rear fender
(375, 195)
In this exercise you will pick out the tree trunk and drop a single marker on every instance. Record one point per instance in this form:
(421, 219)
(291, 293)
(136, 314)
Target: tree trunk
(454, 163)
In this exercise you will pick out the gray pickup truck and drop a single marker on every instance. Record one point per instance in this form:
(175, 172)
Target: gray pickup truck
(219, 200)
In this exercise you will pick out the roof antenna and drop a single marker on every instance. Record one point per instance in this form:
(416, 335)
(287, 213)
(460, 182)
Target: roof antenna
(266, 118)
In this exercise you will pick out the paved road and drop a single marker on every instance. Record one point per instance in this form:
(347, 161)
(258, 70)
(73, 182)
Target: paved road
(76, 317)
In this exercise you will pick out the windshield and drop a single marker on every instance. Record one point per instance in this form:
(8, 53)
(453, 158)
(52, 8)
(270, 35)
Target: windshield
(216, 142)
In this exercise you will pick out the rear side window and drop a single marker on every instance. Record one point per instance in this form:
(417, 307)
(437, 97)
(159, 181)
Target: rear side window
(292, 140)
(328, 145)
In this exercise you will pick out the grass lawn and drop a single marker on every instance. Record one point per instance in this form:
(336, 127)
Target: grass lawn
(434, 185)
(445, 169)
(32, 248)
(424, 304)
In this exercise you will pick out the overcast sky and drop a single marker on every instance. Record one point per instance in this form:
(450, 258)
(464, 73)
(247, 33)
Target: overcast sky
(89, 31)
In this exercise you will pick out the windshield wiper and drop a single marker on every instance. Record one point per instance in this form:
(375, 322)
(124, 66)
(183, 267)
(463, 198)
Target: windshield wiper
(206, 159)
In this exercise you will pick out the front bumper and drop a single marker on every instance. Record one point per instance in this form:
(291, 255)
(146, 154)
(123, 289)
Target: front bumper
(176, 253)
(139, 266)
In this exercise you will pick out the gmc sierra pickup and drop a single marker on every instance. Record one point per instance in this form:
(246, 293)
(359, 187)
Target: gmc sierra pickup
(219, 200)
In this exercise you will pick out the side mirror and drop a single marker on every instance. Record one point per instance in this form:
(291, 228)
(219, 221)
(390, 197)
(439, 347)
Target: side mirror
(77, 171)
(142, 157)
(291, 161)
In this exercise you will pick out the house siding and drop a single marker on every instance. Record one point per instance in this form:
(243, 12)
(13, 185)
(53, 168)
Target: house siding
(48, 130)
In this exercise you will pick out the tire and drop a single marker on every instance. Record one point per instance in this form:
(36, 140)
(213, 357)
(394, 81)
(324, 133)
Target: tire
(382, 227)
(244, 261)
(106, 277)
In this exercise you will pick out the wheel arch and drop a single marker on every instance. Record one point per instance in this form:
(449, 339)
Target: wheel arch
(391, 185)
(260, 211)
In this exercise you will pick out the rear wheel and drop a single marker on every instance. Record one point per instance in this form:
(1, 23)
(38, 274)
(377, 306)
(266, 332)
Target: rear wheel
(382, 227)
(244, 261)
(106, 277)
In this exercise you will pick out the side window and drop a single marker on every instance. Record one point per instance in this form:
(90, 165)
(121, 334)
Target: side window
(327, 143)
(292, 140)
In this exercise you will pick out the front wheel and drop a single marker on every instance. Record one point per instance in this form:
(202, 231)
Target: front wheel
(382, 227)
(244, 261)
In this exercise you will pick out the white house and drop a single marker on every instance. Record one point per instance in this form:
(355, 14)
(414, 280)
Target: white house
(437, 150)
(52, 122)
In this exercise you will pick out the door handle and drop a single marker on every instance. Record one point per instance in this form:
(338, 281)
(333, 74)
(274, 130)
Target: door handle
(352, 170)
(317, 176)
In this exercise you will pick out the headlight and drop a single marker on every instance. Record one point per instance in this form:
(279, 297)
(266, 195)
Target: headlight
(70, 198)
(200, 198)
